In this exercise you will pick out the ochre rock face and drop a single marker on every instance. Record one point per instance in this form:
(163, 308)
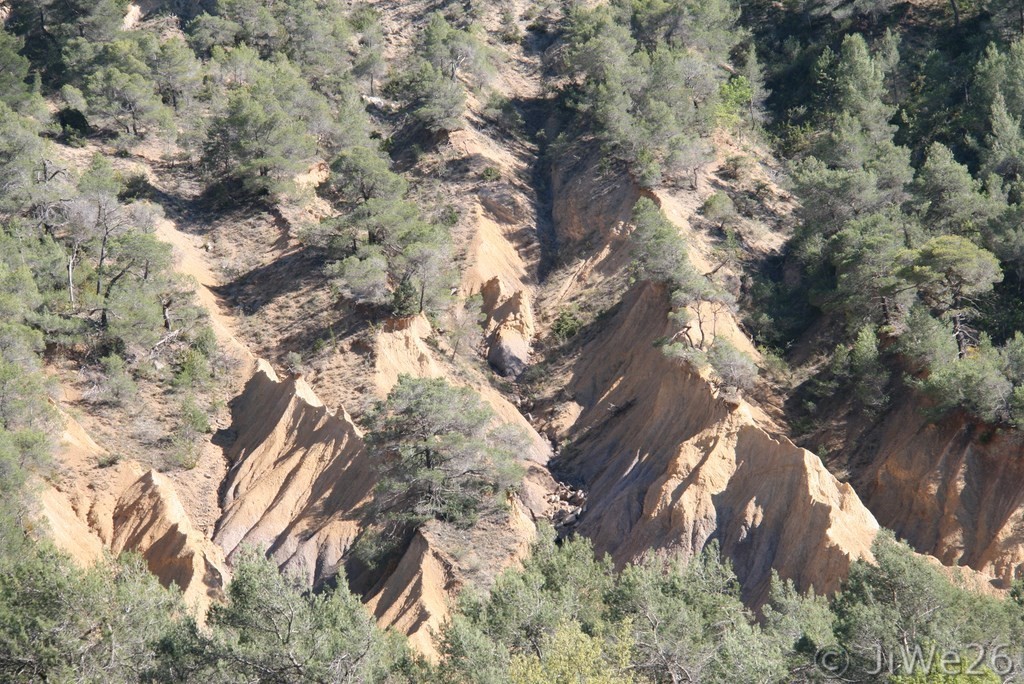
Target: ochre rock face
(953, 489)
(509, 328)
(586, 208)
(415, 597)
(670, 465)
(298, 476)
(150, 519)
(122, 508)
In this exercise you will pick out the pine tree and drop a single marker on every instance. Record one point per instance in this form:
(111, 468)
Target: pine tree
(270, 130)
(14, 70)
(658, 248)
(951, 200)
(440, 456)
(360, 174)
(950, 273)
(1004, 155)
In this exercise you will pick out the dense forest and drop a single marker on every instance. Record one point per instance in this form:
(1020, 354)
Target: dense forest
(899, 130)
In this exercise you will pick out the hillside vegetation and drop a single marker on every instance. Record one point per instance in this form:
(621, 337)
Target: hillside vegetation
(576, 281)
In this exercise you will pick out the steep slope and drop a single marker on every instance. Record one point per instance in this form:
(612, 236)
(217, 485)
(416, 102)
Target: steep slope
(401, 348)
(953, 489)
(150, 519)
(190, 261)
(120, 508)
(501, 253)
(298, 475)
(669, 464)
(298, 482)
(415, 598)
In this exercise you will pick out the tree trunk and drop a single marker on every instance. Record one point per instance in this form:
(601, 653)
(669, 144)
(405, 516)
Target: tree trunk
(956, 12)
(72, 258)
(99, 265)
(961, 336)
(112, 282)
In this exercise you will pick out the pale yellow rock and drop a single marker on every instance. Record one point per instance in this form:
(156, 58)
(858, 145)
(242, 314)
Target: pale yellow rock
(669, 465)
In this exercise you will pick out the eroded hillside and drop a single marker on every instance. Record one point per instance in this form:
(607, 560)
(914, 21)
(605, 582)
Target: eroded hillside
(664, 460)
(513, 258)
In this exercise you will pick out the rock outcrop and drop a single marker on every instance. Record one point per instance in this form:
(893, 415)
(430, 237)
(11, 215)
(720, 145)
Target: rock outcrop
(415, 598)
(150, 519)
(668, 464)
(122, 508)
(298, 477)
(953, 489)
(589, 203)
(498, 273)
(509, 327)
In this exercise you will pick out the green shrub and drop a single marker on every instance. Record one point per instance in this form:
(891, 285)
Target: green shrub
(567, 324)
(108, 460)
(733, 367)
(449, 216)
(118, 385)
(186, 439)
(193, 370)
(509, 31)
(870, 376)
(976, 383)
(294, 363)
(774, 364)
(719, 208)
(405, 300)
(205, 341)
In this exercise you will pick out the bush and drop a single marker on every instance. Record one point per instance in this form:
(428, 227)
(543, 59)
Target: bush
(108, 460)
(567, 324)
(976, 383)
(695, 358)
(405, 300)
(193, 370)
(509, 31)
(774, 364)
(737, 167)
(186, 437)
(926, 342)
(502, 112)
(440, 457)
(449, 216)
(719, 209)
(118, 385)
(294, 362)
(870, 376)
(659, 249)
(733, 367)
(363, 278)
